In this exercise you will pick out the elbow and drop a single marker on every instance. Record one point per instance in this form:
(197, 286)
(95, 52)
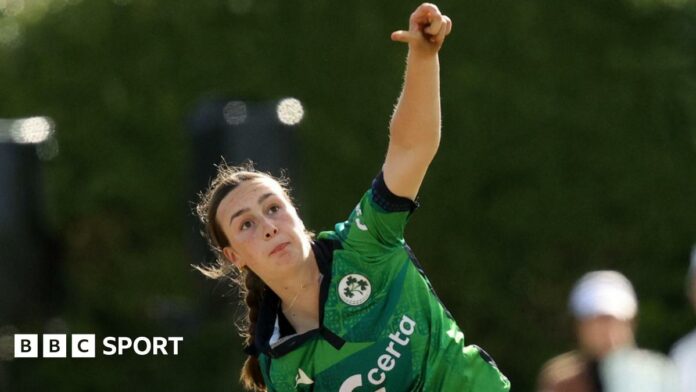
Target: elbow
(423, 144)
(432, 151)
(417, 151)
(414, 135)
(429, 148)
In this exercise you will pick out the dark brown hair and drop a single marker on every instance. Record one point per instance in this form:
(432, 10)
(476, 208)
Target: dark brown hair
(251, 287)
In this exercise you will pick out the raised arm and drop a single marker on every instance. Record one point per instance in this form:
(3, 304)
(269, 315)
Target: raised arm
(414, 131)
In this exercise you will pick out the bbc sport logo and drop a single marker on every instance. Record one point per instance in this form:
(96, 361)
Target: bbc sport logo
(85, 345)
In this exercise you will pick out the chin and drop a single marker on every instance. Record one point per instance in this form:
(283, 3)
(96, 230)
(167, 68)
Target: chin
(287, 258)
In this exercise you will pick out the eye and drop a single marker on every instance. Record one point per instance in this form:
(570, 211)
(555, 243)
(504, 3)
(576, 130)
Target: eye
(245, 225)
(273, 209)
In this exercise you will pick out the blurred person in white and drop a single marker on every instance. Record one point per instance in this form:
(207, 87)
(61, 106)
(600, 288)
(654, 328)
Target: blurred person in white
(684, 351)
(604, 306)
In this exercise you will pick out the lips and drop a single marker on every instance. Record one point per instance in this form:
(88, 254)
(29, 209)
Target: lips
(279, 247)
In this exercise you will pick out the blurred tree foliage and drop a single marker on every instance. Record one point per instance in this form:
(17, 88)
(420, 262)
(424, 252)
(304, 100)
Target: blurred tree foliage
(569, 144)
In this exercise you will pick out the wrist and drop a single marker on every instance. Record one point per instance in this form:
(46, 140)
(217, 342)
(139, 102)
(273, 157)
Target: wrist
(418, 54)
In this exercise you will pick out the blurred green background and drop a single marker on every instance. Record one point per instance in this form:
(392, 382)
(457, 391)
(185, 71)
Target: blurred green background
(569, 144)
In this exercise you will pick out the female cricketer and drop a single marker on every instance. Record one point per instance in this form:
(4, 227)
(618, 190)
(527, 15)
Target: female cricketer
(349, 309)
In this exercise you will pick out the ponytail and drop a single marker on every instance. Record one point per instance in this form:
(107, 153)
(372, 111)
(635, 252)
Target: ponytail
(253, 289)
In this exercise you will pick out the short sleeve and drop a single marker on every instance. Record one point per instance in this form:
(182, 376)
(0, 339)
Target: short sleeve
(377, 223)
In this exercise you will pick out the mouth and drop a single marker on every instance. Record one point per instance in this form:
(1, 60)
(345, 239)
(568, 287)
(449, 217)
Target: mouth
(279, 248)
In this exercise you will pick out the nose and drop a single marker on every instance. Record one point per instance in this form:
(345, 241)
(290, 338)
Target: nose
(269, 230)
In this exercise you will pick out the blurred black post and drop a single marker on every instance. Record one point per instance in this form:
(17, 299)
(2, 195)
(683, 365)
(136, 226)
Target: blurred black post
(28, 259)
(236, 131)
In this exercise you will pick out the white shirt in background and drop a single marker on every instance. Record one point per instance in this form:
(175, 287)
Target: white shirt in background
(684, 355)
(635, 370)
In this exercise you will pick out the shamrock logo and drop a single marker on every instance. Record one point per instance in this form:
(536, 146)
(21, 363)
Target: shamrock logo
(354, 286)
(354, 289)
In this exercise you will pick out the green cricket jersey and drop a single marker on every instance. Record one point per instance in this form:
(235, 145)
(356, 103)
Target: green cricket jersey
(382, 328)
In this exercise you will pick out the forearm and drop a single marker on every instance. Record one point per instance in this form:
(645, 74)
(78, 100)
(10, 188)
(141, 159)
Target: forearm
(415, 123)
(414, 130)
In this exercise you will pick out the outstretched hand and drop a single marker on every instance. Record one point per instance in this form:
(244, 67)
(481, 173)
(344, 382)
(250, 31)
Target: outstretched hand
(427, 29)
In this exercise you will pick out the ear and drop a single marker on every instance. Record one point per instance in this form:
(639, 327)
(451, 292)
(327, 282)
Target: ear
(232, 257)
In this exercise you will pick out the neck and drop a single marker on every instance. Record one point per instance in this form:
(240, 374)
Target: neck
(299, 294)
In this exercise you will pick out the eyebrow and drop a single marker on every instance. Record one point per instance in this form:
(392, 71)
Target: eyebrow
(244, 210)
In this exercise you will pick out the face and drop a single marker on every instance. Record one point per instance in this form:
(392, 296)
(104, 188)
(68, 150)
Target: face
(263, 229)
(600, 335)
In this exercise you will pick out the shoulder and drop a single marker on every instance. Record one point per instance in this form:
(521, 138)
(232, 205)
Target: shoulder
(639, 369)
(563, 364)
(636, 359)
(387, 200)
(686, 346)
(378, 221)
(562, 369)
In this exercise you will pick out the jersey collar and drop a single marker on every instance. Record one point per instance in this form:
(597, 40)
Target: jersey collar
(270, 313)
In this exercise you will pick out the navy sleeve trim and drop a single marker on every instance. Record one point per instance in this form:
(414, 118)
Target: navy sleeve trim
(388, 200)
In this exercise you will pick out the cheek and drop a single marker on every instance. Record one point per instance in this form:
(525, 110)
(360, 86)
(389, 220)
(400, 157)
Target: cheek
(298, 225)
(242, 242)
(285, 218)
(295, 221)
